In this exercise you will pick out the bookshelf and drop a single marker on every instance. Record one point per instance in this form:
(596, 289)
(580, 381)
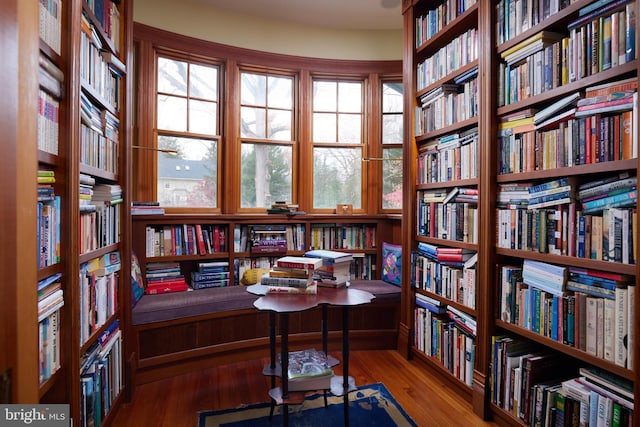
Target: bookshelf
(443, 154)
(552, 141)
(52, 218)
(256, 243)
(99, 231)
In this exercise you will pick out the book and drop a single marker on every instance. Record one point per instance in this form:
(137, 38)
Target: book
(328, 256)
(163, 287)
(308, 363)
(293, 282)
(312, 289)
(556, 107)
(299, 262)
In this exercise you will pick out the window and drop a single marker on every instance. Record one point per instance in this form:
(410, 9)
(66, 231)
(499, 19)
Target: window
(187, 128)
(338, 139)
(392, 133)
(267, 132)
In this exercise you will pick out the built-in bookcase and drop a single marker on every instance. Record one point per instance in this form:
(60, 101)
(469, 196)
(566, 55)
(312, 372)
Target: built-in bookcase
(444, 215)
(99, 173)
(52, 217)
(243, 244)
(556, 183)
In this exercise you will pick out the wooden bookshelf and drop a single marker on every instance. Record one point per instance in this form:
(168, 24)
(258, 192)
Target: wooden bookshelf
(443, 158)
(497, 39)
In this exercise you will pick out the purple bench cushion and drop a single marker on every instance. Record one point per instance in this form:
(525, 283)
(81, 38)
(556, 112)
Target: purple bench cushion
(178, 305)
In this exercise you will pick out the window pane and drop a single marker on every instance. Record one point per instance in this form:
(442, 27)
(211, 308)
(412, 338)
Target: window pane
(337, 177)
(203, 82)
(350, 97)
(280, 125)
(172, 113)
(202, 117)
(280, 92)
(324, 96)
(190, 178)
(172, 76)
(252, 122)
(253, 90)
(392, 179)
(392, 98)
(392, 129)
(350, 128)
(324, 127)
(266, 171)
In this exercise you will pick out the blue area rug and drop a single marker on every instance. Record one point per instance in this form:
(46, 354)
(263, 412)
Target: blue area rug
(370, 405)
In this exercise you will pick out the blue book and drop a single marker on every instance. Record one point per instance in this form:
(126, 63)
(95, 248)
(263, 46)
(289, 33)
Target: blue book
(554, 318)
(624, 199)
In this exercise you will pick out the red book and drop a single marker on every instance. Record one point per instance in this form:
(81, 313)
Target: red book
(200, 240)
(303, 263)
(166, 287)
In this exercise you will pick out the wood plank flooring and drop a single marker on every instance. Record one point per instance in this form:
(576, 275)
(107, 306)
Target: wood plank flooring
(174, 402)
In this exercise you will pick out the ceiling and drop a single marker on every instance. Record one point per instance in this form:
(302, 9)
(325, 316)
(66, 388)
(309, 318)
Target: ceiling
(336, 14)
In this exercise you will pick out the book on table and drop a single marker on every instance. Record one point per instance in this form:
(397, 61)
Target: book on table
(308, 369)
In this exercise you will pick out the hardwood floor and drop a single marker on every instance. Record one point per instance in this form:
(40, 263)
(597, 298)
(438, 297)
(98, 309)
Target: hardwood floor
(175, 401)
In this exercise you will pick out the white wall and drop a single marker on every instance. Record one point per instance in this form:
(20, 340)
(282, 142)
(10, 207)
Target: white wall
(195, 20)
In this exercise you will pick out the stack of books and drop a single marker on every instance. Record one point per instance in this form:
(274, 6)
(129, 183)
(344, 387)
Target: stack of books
(284, 208)
(335, 270)
(292, 275)
(213, 274)
(163, 277)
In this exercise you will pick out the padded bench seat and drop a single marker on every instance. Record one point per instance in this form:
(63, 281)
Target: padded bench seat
(178, 305)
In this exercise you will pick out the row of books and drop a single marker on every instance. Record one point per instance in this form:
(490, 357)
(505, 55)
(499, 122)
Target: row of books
(444, 271)
(451, 158)
(452, 221)
(547, 60)
(591, 220)
(98, 137)
(543, 388)
(50, 19)
(100, 214)
(108, 15)
(48, 217)
(567, 141)
(447, 104)
(99, 284)
(100, 69)
(185, 239)
(101, 376)
(514, 17)
(50, 301)
(461, 51)
(343, 236)
(445, 337)
(254, 238)
(608, 236)
(434, 20)
(48, 122)
(586, 309)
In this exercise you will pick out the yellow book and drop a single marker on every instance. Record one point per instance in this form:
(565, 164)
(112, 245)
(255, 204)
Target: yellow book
(515, 123)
